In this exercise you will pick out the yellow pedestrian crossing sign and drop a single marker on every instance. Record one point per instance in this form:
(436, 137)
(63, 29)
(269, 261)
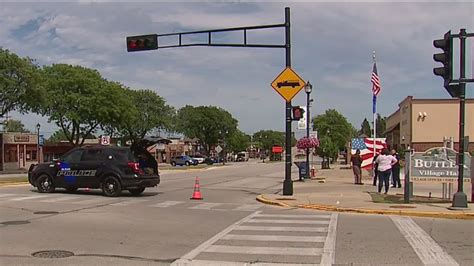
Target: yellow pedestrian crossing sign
(288, 84)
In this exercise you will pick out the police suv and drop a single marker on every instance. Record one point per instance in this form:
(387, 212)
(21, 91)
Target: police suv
(109, 168)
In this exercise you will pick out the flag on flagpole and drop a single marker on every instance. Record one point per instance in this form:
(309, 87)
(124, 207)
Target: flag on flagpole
(376, 87)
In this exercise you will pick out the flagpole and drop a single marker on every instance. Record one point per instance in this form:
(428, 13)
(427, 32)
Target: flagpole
(374, 99)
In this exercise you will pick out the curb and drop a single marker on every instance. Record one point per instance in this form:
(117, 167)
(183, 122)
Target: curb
(262, 199)
(462, 216)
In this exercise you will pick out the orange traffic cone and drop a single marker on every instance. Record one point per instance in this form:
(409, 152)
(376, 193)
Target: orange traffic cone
(197, 190)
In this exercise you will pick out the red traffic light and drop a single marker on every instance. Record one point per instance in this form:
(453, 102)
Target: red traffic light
(142, 43)
(297, 112)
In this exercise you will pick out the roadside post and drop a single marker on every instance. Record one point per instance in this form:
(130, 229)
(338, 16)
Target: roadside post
(407, 186)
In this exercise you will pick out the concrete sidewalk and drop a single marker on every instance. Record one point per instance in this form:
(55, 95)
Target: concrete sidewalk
(339, 193)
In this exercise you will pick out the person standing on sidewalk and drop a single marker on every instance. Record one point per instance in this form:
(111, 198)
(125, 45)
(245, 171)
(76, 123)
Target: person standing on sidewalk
(385, 162)
(356, 161)
(396, 170)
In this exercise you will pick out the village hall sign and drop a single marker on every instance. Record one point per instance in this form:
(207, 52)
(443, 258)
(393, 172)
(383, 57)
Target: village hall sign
(438, 165)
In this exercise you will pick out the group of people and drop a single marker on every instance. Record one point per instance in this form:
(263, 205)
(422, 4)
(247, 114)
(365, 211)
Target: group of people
(385, 165)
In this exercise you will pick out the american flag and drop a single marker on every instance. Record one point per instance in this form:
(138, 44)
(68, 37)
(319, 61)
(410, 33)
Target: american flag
(366, 147)
(375, 81)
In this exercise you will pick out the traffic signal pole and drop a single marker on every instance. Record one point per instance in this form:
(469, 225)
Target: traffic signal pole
(288, 183)
(460, 198)
(151, 42)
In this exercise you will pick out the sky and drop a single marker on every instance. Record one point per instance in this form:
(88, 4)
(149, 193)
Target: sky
(332, 44)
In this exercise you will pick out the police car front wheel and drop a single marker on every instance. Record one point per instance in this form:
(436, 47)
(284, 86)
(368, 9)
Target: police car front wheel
(44, 184)
(111, 187)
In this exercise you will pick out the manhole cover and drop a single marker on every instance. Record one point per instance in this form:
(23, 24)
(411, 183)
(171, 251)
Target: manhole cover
(15, 222)
(402, 207)
(52, 254)
(46, 212)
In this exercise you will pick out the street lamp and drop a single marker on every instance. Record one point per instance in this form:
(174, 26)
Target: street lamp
(307, 88)
(38, 126)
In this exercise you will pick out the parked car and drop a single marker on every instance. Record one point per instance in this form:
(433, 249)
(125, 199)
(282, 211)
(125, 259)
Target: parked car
(199, 158)
(183, 160)
(109, 168)
(242, 156)
(209, 161)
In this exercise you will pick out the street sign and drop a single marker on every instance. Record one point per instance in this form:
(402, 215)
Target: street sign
(302, 121)
(105, 140)
(218, 149)
(41, 140)
(288, 84)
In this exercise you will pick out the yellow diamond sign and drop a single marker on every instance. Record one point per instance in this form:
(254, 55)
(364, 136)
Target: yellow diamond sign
(288, 84)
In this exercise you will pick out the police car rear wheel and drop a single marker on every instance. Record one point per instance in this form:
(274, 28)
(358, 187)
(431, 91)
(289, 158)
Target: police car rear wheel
(111, 187)
(137, 191)
(44, 184)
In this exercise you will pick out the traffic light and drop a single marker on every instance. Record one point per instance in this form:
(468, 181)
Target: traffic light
(446, 58)
(297, 112)
(142, 43)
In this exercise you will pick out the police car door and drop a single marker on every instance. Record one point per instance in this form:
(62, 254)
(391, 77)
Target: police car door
(67, 172)
(90, 165)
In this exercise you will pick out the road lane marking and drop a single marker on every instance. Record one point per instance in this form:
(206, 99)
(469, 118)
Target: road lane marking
(193, 253)
(57, 199)
(205, 206)
(319, 216)
(278, 238)
(265, 250)
(234, 263)
(166, 204)
(29, 198)
(128, 202)
(287, 221)
(281, 228)
(248, 207)
(94, 201)
(8, 195)
(429, 252)
(329, 249)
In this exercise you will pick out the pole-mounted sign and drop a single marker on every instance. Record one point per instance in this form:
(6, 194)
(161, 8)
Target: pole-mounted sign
(288, 84)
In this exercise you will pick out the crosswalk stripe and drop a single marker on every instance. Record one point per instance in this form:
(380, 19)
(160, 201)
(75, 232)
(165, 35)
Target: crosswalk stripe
(264, 250)
(205, 206)
(281, 228)
(128, 202)
(57, 199)
(429, 252)
(166, 204)
(319, 216)
(28, 198)
(248, 207)
(319, 239)
(329, 250)
(287, 221)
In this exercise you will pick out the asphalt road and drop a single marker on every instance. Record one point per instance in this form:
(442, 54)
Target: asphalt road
(228, 226)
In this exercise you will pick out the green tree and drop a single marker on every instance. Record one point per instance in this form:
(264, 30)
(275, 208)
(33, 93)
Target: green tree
(57, 136)
(20, 83)
(79, 100)
(333, 125)
(15, 126)
(207, 123)
(238, 141)
(327, 148)
(149, 111)
(380, 126)
(365, 128)
(269, 138)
